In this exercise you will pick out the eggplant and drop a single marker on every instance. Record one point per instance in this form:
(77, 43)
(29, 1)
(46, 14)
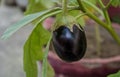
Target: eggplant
(70, 45)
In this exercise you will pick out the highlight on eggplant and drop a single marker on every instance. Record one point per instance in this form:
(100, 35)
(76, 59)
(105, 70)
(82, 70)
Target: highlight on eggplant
(69, 45)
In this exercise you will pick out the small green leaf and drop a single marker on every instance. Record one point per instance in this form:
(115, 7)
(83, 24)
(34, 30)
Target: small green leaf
(33, 49)
(115, 75)
(27, 19)
(116, 3)
(47, 71)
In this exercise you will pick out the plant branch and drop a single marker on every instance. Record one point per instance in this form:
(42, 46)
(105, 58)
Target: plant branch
(108, 5)
(98, 40)
(96, 19)
(101, 3)
(107, 16)
(44, 67)
(107, 26)
(105, 12)
(93, 6)
(81, 5)
(83, 9)
(64, 7)
(114, 34)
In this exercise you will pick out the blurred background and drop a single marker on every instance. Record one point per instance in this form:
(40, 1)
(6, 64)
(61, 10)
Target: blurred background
(11, 50)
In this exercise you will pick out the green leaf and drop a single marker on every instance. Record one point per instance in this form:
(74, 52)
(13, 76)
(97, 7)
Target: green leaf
(116, 3)
(47, 3)
(34, 6)
(50, 70)
(115, 75)
(33, 49)
(27, 19)
(47, 71)
(38, 5)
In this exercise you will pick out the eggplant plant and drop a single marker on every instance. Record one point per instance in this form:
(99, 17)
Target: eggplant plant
(67, 33)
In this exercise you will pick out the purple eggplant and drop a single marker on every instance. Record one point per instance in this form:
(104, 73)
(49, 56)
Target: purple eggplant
(69, 45)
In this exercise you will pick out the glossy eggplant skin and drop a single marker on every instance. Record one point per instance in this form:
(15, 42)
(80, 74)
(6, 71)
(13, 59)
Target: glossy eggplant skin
(69, 45)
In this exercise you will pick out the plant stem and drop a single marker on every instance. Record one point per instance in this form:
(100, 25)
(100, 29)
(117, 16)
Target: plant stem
(45, 64)
(108, 5)
(107, 26)
(64, 7)
(107, 16)
(90, 14)
(98, 40)
(96, 19)
(114, 34)
(101, 3)
(105, 12)
(93, 6)
(81, 5)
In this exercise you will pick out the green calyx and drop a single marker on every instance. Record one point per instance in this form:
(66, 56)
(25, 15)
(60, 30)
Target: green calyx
(67, 21)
